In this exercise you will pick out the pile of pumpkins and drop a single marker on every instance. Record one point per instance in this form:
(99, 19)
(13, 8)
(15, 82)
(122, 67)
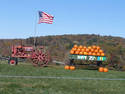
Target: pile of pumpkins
(101, 69)
(67, 67)
(90, 50)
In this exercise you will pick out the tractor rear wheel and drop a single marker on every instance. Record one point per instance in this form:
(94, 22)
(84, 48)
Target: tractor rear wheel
(13, 61)
(40, 58)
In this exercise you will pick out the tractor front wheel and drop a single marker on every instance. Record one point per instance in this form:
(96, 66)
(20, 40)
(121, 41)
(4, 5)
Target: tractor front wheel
(13, 61)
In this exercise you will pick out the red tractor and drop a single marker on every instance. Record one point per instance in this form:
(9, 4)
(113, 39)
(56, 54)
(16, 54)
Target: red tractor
(38, 55)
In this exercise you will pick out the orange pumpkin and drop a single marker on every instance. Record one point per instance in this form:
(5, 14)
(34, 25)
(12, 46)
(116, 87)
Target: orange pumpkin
(81, 53)
(101, 69)
(98, 47)
(75, 46)
(94, 47)
(94, 54)
(89, 47)
(74, 49)
(87, 50)
(71, 52)
(90, 53)
(102, 54)
(98, 54)
(85, 53)
(67, 67)
(76, 52)
(80, 47)
(101, 51)
(84, 47)
(83, 50)
(72, 67)
(92, 50)
(96, 51)
(105, 69)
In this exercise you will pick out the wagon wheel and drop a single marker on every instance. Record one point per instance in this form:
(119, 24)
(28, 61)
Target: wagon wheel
(40, 58)
(12, 61)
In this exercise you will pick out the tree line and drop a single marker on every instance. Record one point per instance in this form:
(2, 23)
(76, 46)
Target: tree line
(60, 45)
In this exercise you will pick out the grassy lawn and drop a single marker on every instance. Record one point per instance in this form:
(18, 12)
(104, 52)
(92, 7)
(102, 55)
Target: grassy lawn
(58, 86)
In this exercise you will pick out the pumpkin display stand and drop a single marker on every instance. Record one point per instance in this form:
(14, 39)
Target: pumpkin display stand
(93, 54)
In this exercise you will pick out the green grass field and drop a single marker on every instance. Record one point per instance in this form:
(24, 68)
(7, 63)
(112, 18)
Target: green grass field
(58, 86)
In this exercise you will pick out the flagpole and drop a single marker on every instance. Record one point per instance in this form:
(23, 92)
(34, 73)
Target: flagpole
(35, 30)
(47, 19)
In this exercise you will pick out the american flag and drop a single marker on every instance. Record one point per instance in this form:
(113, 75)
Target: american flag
(45, 18)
